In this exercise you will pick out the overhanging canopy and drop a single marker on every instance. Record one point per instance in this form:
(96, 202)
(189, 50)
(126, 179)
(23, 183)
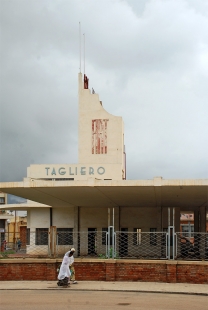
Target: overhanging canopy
(186, 194)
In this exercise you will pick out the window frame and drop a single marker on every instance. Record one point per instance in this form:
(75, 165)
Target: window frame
(40, 236)
(68, 236)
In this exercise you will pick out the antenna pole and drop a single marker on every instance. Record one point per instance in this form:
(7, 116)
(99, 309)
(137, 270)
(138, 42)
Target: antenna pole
(80, 49)
(84, 51)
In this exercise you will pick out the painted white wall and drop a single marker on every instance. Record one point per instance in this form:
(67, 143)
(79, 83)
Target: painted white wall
(39, 218)
(93, 218)
(130, 218)
(144, 218)
(75, 171)
(63, 217)
(4, 195)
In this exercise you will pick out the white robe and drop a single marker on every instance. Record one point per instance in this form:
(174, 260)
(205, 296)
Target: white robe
(64, 269)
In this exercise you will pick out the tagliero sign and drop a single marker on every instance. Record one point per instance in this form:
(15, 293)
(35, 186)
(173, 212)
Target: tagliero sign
(52, 171)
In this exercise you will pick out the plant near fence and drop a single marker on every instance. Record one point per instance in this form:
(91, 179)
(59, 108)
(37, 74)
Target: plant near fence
(6, 253)
(110, 255)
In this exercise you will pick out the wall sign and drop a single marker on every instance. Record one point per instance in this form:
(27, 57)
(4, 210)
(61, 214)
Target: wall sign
(54, 171)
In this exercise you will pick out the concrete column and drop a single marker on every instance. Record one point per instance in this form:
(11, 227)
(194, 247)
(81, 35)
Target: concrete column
(76, 231)
(202, 224)
(117, 218)
(207, 212)
(202, 219)
(76, 218)
(158, 201)
(52, 241)
(196, 220)
(177, 219)
(164, 217)
(159, 218)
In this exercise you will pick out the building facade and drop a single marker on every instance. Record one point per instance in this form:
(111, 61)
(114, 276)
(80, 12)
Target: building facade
(93, 195)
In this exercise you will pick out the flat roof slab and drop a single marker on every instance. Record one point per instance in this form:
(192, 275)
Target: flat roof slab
(106, 193)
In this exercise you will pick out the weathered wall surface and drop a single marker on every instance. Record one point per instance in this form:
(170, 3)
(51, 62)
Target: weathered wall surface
(101, 135)
(107, 270)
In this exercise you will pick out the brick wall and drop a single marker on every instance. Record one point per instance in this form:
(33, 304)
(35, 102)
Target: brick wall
(107, 270)
(27, 271)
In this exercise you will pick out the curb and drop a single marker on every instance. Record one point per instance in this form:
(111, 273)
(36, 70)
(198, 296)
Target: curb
(103, 290)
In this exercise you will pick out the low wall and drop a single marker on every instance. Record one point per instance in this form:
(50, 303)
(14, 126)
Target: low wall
(107, 270)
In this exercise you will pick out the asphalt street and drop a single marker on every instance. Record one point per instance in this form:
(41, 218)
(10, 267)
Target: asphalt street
(101, 300)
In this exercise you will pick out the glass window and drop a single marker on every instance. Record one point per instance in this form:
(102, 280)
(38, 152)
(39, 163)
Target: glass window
(28, 236)
(153, 236)
(41, 237)
(2, 200)
(65, 236)
(187, 230)
(104, 231)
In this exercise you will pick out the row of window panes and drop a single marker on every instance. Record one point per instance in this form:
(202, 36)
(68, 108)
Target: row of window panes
(2, 200)
(65, 236)
(187, 230)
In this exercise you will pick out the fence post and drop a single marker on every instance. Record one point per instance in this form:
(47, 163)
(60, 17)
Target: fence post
(174, 233)
(52, 241)
(171, 243)
(110, 249)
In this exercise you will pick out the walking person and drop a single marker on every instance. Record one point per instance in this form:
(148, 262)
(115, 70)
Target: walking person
(5, 244)
(19, 243)
(64, 272)
(71, 267)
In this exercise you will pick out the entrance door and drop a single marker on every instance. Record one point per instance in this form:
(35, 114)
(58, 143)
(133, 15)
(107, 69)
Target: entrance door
(92, 232)
(123, 242)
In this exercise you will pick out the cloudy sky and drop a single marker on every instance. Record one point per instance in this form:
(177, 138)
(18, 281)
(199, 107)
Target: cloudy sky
(147, 60)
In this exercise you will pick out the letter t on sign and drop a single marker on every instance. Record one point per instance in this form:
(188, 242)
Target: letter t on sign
(47, 168)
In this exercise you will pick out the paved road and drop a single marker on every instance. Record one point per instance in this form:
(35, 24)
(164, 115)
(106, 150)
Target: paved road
(86, 300)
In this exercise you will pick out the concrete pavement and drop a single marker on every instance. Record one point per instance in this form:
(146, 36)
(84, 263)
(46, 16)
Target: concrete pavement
(151, 287)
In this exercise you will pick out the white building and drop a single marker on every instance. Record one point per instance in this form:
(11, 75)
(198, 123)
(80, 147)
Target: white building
(94, 193)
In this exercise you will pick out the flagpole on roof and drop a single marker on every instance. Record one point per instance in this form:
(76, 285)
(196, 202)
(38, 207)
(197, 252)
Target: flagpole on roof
(80, 49)
(84, 51)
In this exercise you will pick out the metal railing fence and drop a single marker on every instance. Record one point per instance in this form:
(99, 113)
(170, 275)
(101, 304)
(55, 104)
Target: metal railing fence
(192, 247)
(112, 244)
(106, 244)
(141, 245)
(34, 244)
(87, 244)
(9, 242)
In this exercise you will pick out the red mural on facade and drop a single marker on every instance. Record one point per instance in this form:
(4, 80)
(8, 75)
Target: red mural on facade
(99, 136)
(86, 82)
